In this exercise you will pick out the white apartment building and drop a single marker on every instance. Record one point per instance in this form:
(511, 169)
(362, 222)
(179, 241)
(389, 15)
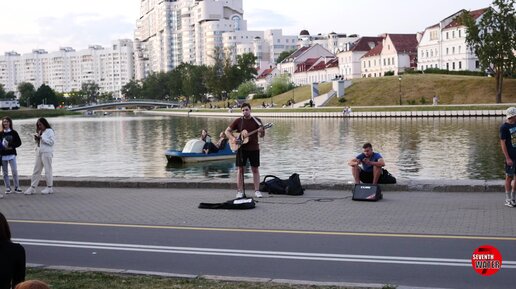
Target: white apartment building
(265, 45)
(65, 70)
(333, 42)
(396, 53)
(170, 32)
(443, 45)
(350, 58)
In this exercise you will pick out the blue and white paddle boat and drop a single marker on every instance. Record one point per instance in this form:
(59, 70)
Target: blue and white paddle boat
(192, 153)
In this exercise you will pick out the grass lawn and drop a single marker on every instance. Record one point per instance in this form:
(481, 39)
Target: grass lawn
(90, 280)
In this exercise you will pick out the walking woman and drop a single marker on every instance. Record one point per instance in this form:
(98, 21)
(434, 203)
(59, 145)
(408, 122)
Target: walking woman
(45, 139)
(12, 258)
(12, 139)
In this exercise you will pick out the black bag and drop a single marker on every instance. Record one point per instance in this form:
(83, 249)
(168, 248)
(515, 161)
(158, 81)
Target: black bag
(275, 185)
(386, 178)
(236, 204)
(294, 185)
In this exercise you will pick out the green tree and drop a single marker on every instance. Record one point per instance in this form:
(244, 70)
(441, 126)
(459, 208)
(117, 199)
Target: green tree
(27, 92)
(280, 84)
(132, 89)
(284, 55)
(246, 65)
(245, 89)
(2, 91)
(90, 90)
(76, 98)
(493, 39)
(45, 95)
(10, 95)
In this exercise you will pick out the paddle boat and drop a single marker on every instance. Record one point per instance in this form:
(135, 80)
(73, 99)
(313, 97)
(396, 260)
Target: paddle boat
(192, 153)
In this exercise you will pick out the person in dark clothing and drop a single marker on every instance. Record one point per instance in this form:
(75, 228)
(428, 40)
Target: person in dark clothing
(12, 139)
(372, 171)
(508, 144)
(250, 150)
(12, 258)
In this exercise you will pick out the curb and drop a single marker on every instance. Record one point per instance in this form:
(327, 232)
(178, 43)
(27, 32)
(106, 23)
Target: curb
(445, 186)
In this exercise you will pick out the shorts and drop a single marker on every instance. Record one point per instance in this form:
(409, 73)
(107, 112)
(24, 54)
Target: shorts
(243, 155)
(509, 170)
(385, 177)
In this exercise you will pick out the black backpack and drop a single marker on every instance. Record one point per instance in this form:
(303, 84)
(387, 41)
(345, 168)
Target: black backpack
(275, 185)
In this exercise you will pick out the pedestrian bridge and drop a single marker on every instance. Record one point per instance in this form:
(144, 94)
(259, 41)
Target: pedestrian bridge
(126, 103)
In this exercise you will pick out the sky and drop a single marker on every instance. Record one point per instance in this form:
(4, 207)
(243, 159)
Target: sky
(51, 24)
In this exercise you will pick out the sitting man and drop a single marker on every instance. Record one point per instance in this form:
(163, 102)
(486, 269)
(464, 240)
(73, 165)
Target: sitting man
(220, 145)
(372, 167)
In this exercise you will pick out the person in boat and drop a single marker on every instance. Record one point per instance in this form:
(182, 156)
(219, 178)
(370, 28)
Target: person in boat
(248, 151)
(210, 147)
(367, 167)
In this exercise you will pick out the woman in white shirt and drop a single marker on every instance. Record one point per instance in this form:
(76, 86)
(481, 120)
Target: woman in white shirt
(45, 139)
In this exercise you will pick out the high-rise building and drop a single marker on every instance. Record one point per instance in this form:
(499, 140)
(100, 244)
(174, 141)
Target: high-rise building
(65, 70)
(171, 32)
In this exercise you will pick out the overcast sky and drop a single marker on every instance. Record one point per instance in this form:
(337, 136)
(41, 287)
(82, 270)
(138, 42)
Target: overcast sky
(50, 24)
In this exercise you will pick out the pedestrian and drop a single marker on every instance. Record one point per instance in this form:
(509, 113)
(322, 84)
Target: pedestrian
(32, 284)
(247, 151)
(508, 144)
(12, 139)
(45, 139)
(12, 258)
(372, 170)
(435, 100)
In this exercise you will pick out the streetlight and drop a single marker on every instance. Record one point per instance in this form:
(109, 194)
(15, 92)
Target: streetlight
(399, 78)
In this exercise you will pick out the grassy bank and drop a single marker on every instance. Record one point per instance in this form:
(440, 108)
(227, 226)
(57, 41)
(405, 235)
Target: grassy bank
(89, 280)
(36, 113)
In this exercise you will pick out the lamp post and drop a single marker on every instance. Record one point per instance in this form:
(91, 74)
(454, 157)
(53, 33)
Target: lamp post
(399, 80)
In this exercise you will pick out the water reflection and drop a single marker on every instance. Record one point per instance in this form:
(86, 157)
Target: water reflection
(125, 145)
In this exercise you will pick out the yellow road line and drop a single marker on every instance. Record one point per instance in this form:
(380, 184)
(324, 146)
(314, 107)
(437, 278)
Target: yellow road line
(328, 233)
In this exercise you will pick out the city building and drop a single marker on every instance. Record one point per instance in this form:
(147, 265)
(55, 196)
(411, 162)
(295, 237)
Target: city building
(333, 42)
(443, 45)
(169, 33)
(304, 65)
(65, 70)
(350, 58)
(395, 54)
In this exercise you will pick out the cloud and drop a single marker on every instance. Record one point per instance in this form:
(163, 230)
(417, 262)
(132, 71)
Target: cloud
(77, 30)
(262, 19)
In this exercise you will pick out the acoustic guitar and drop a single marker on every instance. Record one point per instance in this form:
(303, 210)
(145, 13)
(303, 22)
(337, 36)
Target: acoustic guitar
(240, 141)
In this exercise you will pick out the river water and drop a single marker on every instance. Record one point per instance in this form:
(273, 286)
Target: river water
(128, 145)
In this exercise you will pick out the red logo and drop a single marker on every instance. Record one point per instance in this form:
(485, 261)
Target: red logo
(486, 260)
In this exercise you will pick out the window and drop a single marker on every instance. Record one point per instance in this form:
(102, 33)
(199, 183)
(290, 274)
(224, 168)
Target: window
(447, 36)
(447, 51)
(453, 34)
(477, 64)
(460, 33)
(460, 64)
(453, 50)
(453, 65)
(447, 66)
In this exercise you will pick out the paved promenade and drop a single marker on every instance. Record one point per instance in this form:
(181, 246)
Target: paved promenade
(471, 209)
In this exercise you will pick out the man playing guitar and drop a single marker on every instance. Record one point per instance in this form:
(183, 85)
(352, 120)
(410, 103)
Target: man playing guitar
(249, 150)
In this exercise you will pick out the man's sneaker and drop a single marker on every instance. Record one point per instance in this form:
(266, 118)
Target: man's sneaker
(18, 191)
(7, 191)
(258, 194)
(239, 195)
(48, 190)
(1, 196)
(29, 191)
(510, 204)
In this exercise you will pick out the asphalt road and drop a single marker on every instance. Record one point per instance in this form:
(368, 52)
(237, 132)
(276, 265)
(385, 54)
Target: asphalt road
(410, 260)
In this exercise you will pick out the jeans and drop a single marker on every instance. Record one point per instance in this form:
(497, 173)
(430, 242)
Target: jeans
(14, 170)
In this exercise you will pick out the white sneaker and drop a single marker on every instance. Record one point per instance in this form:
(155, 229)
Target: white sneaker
(48, 190)
(1, 196)
(239, 195)
(7, 191)
(29, 191)
(510, 203)
(258, 194)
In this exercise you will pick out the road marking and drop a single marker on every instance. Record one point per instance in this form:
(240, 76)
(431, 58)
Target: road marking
(255, 253)
(329, 233)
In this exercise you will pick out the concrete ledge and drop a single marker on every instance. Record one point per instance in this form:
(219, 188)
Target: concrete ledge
(162, 183)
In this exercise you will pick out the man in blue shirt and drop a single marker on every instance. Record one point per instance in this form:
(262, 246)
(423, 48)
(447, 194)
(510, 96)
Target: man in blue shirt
(508, 144)
(372, 167)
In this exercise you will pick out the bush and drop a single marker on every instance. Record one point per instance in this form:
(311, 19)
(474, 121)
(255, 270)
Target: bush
(389, 73)
(342, 99)
(451, 72)
(422, 100)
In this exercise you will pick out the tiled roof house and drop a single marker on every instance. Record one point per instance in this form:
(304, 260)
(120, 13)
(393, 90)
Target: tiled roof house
(396, 53)
(443, 45)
